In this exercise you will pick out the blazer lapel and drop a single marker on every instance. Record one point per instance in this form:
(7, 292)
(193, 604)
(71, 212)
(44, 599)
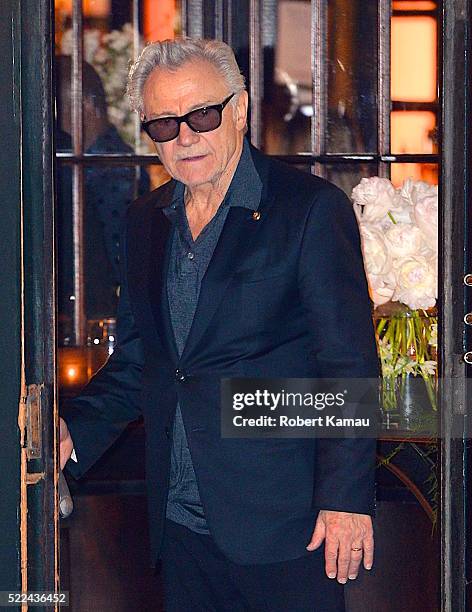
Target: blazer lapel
(148, 247)
(159, 254)
(238, 233)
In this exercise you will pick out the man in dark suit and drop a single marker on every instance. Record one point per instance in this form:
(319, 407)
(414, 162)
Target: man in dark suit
(238, 267)
(109, 190)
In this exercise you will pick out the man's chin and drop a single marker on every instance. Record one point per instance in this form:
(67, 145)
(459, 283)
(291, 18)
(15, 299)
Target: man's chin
(195, 180)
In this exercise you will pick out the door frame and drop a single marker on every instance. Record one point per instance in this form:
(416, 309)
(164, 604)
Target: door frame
(455, 339)
(29, 512)
(10, 294)
(37, 154)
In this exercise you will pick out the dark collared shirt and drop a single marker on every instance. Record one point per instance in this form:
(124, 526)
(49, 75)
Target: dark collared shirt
(189, 260)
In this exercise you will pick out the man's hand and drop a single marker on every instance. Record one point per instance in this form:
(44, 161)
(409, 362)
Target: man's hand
(65, 441)
(349, 537)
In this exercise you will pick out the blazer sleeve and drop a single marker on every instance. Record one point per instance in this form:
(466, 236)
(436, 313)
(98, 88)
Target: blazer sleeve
(334, 293)
(112, 399)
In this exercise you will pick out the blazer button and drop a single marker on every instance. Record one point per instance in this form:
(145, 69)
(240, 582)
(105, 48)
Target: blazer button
(180, 376)
(167, 430)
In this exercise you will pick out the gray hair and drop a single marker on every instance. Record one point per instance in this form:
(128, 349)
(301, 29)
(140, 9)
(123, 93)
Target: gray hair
(171, 54)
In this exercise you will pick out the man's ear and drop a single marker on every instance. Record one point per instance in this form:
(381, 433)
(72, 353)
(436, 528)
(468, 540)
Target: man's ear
(241, 110)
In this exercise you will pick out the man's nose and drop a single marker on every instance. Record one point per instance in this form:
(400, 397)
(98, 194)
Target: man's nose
(187, 136)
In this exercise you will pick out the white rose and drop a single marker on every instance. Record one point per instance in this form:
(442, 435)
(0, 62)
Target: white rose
(377, 260)
(381, 288)
(406, 191)
(91, 44)
(128, 31)
(398, 215)
(119, 43)
(373, 198)
(416, 282)
(116, 115)
(403, 240)
(401, 210)
(100, 57)
(425, 213)
(411, 190)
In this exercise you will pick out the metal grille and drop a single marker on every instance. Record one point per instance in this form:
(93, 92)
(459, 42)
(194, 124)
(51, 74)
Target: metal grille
(246, 26)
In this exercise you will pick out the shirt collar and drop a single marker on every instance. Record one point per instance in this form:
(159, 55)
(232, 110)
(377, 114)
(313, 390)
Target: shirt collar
(245, 189)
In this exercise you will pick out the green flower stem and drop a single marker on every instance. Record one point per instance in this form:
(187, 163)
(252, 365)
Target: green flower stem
(380, 327)
(431, 390)
(404, 347)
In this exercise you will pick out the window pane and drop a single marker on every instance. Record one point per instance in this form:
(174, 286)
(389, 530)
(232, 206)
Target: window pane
(111, 41)
(287, 105)
(108, 191)
(352, 76)
(413, 132)
(347, 176)
(417, 172)
(351, 125)
(414, 59)
(64, 254)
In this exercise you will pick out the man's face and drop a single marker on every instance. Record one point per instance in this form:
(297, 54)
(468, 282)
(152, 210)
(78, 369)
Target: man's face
(192, 158)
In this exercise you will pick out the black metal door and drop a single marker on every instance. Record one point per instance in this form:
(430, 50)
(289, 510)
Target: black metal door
(455, 265)
(10, 296)
(29, 560)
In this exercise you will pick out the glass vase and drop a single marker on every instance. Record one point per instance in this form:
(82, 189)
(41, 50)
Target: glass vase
(407, 342)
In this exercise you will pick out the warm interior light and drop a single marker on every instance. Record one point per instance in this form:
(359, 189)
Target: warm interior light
(411, 5)
(90, 8)
(411, 131)
(413, 79)
(159, 19)
(72, 373)
(418, 172)
(414, 59)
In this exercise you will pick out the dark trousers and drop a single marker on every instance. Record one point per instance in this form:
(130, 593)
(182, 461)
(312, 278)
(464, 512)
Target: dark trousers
(197, 577)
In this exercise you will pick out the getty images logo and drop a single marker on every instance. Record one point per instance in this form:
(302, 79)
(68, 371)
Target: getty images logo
(283, 399)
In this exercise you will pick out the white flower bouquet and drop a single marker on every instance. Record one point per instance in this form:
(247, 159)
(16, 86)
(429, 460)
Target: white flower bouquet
(399, 235)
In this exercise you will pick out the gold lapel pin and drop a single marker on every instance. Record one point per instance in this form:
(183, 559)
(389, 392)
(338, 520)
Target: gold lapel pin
(256, 215)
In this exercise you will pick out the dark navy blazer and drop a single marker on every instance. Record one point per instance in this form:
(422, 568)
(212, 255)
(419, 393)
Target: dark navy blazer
(284, 295)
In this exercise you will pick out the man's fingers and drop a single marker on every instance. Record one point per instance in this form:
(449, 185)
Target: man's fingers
(331, 556)
(348, 538)
(344, 559)
(63, 430)
(355, 561)
(65, 443)
(368, 552)
(318, 535)
(64, 454)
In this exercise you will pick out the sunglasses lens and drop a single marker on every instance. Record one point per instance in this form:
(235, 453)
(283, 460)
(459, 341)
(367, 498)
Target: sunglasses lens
(164, 129)
(204, 119)
(200, 120)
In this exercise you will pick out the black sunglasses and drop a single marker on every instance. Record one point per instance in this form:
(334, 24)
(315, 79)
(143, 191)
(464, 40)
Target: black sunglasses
(203, 119)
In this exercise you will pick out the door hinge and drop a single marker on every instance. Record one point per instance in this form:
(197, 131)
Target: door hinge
(33, 421)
